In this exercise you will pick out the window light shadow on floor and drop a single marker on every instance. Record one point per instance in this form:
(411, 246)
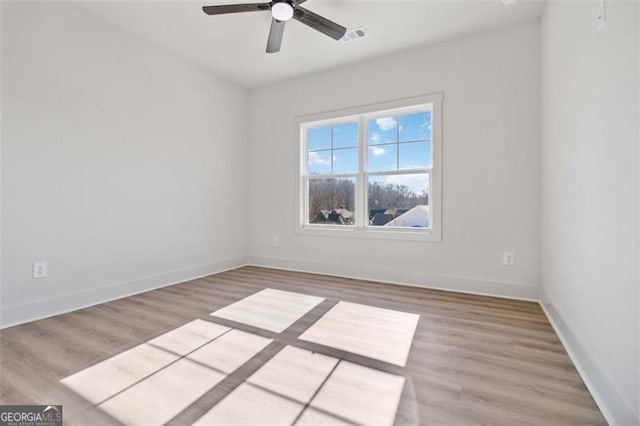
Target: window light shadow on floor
(269, 309)
(154, 382)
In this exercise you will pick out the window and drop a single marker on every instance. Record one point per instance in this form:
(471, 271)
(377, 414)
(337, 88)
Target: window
(374, 171)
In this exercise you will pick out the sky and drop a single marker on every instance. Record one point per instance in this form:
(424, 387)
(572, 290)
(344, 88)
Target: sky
(393, 143)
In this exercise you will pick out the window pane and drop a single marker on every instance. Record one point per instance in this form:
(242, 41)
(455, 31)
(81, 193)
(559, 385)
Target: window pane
(345, 135)
(319, 138)
(345, 160)
(415, 126)
(415, 155)
(332, 201)
(399, 201)
(382, 158)
(319, 162)
(383, 130)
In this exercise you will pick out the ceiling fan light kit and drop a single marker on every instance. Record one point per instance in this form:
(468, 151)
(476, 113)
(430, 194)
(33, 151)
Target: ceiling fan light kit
(281, 12)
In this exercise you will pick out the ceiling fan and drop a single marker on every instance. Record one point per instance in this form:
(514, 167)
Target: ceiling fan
(281, 12)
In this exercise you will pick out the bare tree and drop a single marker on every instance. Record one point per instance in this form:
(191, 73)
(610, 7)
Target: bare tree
(333, 194)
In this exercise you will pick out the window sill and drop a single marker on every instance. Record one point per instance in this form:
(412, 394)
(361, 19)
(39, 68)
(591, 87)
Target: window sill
(430, 236)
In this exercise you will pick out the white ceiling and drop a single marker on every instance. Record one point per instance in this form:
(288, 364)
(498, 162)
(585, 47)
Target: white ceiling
(232, 46)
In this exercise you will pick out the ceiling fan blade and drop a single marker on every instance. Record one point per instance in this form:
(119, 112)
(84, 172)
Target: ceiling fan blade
(236, 8)
(275, 36)
(319, 23)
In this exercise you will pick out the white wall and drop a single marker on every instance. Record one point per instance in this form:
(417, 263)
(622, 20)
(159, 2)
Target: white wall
(121, 166)
(491, 175)
(590, 194)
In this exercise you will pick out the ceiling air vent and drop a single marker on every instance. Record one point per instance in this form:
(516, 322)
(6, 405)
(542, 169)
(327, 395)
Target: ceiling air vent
(353, 35)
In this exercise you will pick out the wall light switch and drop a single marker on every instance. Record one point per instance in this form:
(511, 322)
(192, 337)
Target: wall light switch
(276, 243)
(39, 269)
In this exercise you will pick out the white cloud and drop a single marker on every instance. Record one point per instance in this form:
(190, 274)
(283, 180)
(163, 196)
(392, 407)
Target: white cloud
(377, 151)
(386, 123)
(315, 158)
(375, 138)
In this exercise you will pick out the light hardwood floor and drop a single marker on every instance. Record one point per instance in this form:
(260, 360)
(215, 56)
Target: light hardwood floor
(473, 360)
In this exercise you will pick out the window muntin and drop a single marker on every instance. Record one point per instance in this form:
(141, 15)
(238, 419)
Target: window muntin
(400, 141)
(386, 159)
(333, 148)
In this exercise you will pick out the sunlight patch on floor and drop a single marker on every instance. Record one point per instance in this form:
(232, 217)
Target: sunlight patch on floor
(377, 333)
(272, 310)
(308, 388)
(154, 382)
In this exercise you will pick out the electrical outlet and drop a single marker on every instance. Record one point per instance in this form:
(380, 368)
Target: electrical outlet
(508, 259)
(276, 243)
(39, 269)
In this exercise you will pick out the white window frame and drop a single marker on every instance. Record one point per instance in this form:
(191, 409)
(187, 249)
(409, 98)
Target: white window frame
(363, 114)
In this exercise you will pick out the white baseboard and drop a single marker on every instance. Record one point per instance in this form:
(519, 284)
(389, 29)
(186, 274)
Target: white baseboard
(611, 404)
(14, 315)
(408, 278)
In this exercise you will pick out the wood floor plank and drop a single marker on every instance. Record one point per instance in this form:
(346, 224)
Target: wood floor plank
(474, 359)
